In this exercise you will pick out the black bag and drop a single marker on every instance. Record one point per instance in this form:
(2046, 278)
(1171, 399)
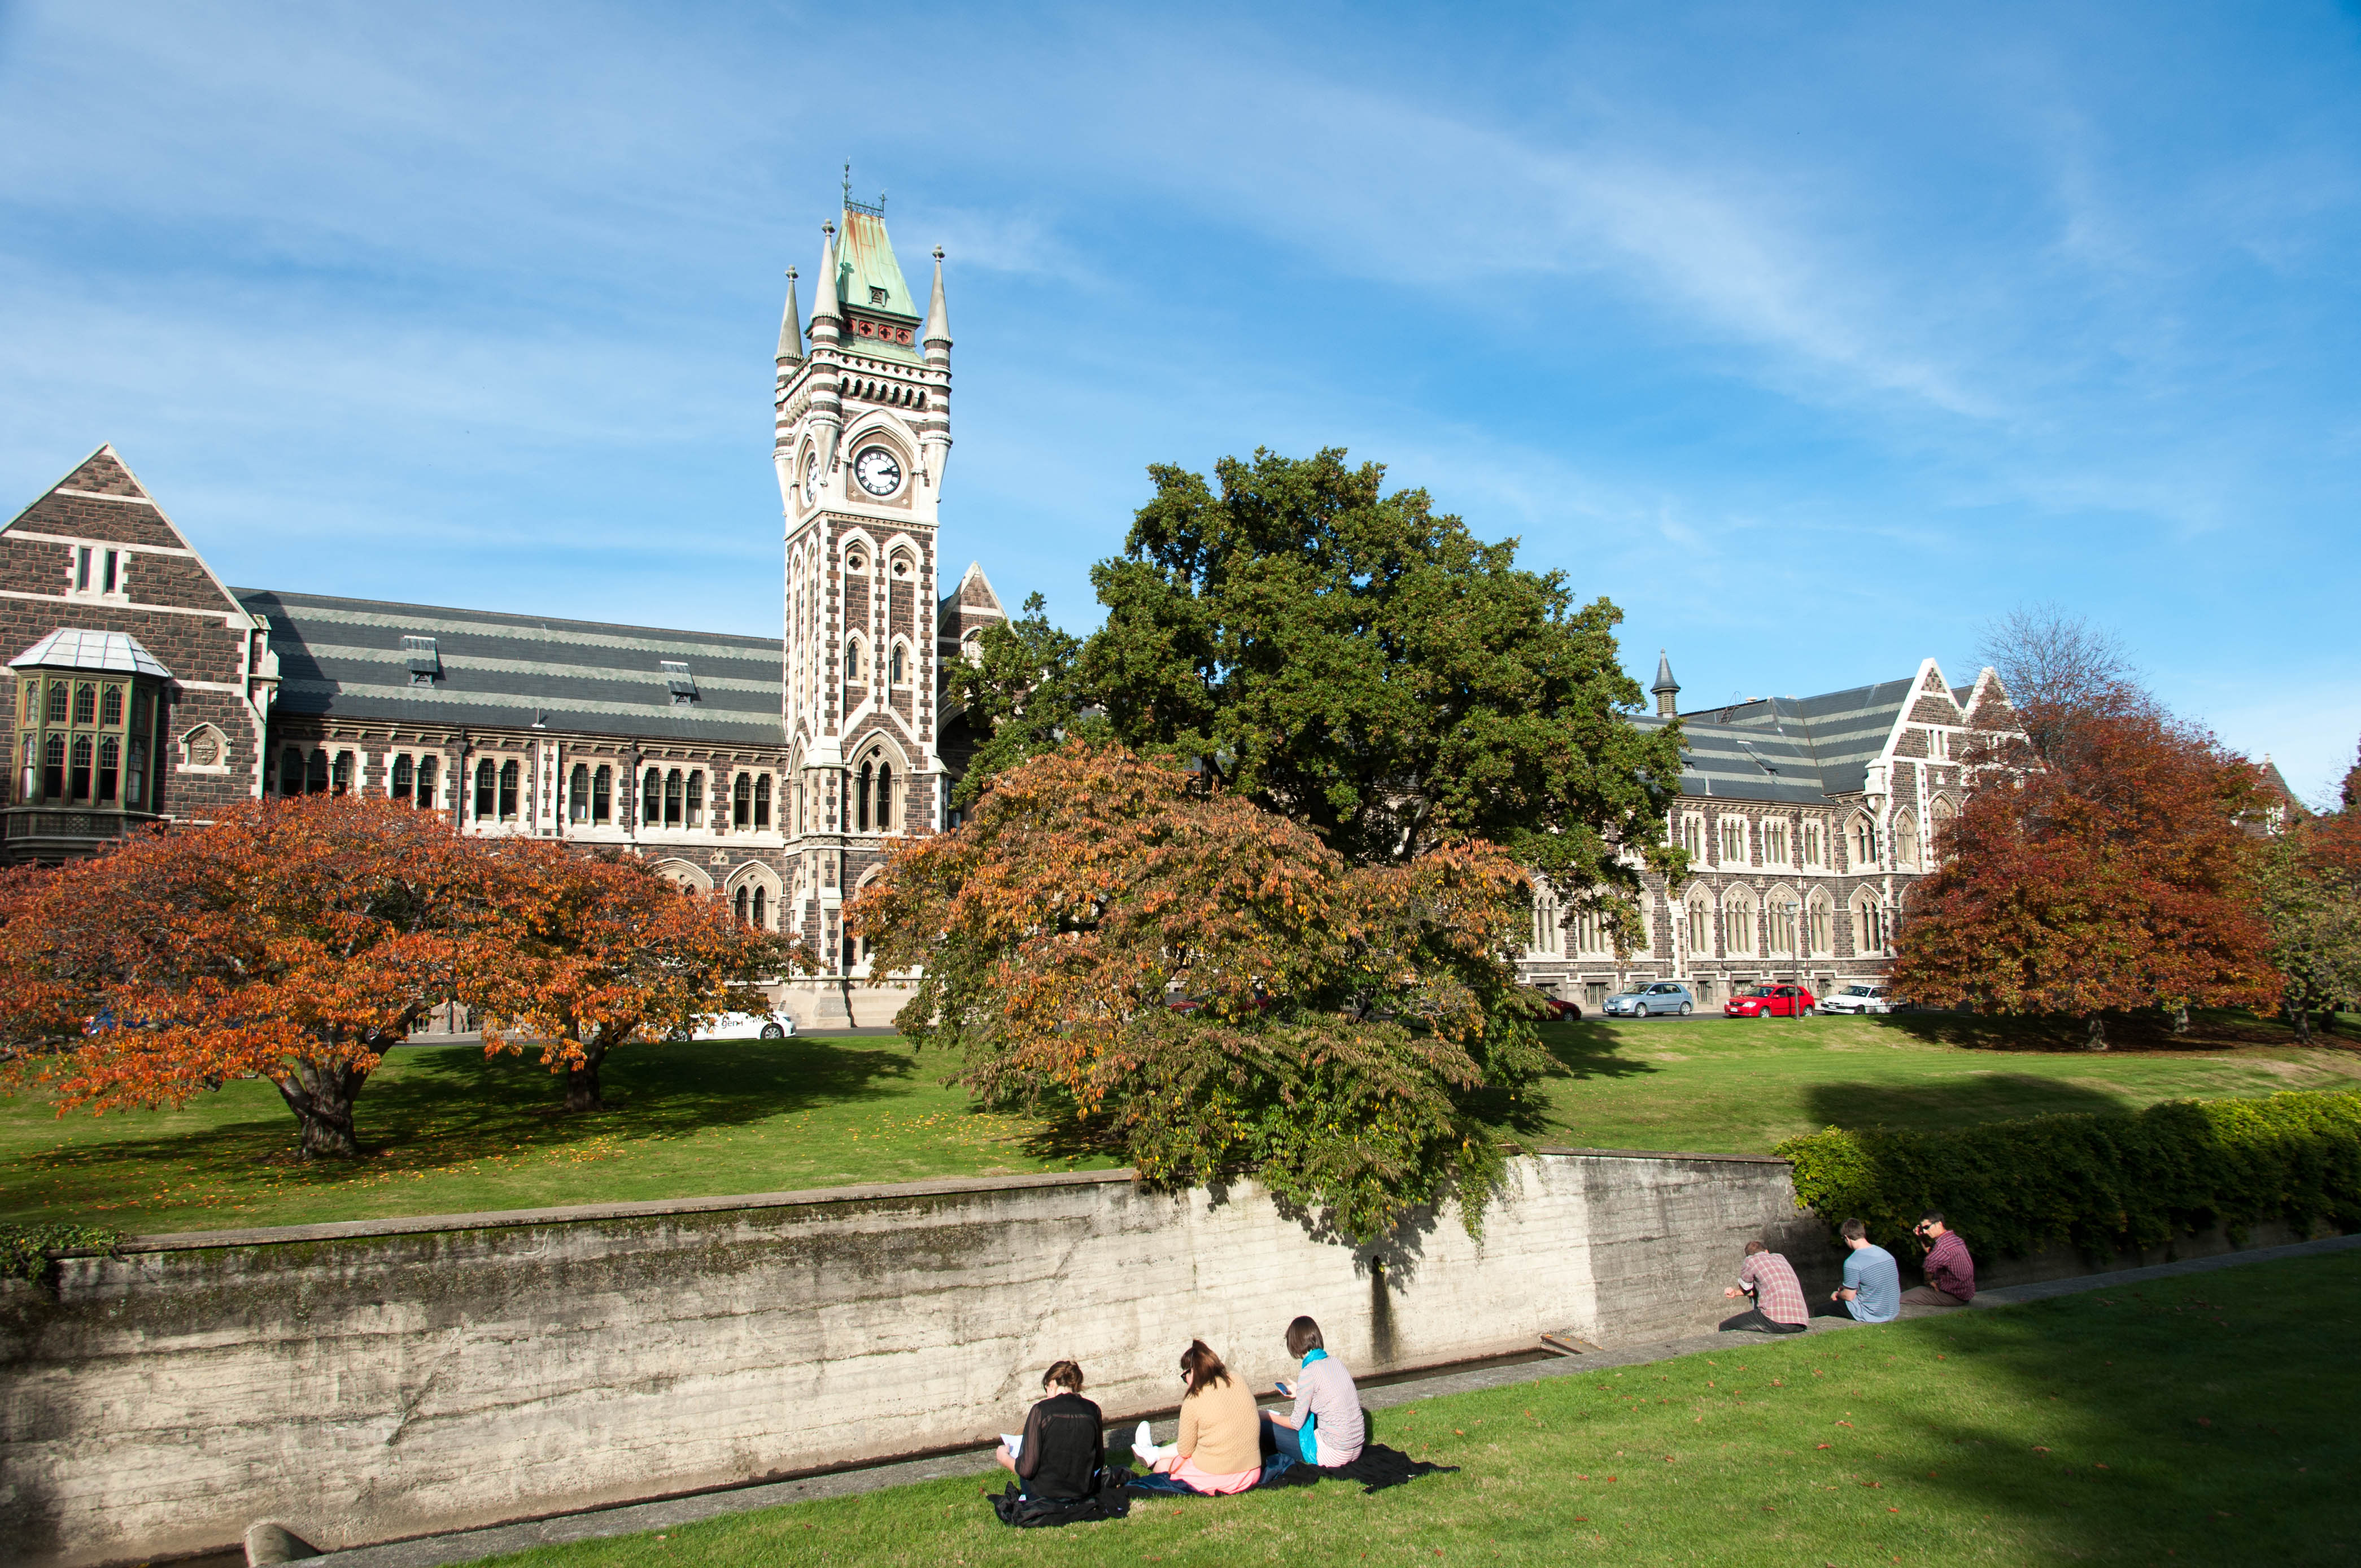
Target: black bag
(1109, 1502)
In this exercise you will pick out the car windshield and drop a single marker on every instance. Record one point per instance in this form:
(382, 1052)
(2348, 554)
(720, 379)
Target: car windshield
(1861, 991)
(1635, 991)
(1758, 991)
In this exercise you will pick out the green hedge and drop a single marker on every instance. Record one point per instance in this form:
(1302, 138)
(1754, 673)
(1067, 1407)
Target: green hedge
(2105, 1183)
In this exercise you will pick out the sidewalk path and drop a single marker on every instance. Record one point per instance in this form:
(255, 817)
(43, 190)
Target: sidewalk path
(466, 1546)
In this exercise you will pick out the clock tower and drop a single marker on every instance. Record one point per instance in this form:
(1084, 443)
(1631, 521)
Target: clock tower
(861, 440)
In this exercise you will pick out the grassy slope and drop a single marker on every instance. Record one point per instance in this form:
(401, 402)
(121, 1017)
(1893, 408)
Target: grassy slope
(451, 1133)
(2204, 1421)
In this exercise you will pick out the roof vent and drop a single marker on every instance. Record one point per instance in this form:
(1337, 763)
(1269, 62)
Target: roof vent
(680, 683)
(425, 664)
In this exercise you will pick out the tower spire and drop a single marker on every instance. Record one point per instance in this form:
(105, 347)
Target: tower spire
(1666, 689)
(938, 315)
(825, 306)
(791, 326)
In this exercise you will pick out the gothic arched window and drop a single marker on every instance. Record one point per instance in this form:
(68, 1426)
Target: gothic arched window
(741, 906)
(885, 797)
(861, 799)
(1861, 843)
(898, 674)
(853, 658)
(761, 920)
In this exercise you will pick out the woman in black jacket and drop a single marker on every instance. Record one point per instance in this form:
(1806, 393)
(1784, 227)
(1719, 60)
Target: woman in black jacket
(1058, 1454)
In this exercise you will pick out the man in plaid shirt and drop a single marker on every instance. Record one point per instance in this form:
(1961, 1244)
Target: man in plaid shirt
(1771, 1280)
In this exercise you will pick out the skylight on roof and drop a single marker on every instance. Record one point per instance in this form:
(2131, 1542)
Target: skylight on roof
(680, 683)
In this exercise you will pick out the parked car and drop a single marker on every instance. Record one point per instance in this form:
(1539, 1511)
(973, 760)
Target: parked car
(1651, 997)
(1770, 1002)
(1859, 999)
(746, 1025)
(1561, 1011)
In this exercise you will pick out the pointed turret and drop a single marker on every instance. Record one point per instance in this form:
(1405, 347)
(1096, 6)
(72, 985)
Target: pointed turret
(939, 316)
(827, 308)
(791, 327)
(1666, 688)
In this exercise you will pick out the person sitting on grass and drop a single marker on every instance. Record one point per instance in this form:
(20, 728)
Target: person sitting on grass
(1777, 1305)
(1057, 1455)
(1324, 1429)
(1873, 1281)
(1950, 1272)
(1219, 1450)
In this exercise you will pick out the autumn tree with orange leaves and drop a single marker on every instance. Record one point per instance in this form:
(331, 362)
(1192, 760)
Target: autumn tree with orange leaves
(293, 940)
(2115, 869)
(1207, 988)
(600, 951)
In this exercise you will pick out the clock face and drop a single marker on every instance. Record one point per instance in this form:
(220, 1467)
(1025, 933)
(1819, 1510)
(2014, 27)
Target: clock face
(811, 478)
(879, 471)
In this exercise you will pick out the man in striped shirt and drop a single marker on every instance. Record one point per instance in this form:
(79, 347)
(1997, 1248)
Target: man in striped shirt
(1778, 1298)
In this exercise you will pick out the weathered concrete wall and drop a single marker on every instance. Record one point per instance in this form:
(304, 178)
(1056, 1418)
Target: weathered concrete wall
(371, 1380)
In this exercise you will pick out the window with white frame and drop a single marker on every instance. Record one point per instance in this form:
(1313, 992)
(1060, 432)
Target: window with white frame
(1700, 924)
(1906, 842)
(1820, 923)
(1861, 843)
(1813, 836)
(1693, 836)
(1782, 910)
(1738, 910)
(1734, 840)
(1775, 842)
(1867, 924)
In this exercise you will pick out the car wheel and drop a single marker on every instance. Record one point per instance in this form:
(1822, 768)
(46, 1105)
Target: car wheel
(773, 1032)
(1685, 1009)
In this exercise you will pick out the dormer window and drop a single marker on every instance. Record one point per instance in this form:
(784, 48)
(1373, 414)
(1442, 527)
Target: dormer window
(679, 682)
(426, 662)
(876, 295)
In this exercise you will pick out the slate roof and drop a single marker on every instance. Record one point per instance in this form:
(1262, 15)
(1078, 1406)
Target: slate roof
(1791, 750)
(113, 652)
(345, 658)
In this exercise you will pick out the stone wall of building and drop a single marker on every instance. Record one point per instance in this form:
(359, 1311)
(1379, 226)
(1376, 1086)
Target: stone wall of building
(371, 1380)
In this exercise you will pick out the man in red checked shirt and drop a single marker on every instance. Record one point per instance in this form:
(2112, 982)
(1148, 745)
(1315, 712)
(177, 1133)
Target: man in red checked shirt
(1779, 1307)
(1950, 1272)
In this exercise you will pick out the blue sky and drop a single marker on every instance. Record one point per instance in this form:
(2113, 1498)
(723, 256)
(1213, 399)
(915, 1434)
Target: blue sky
(1812, 336)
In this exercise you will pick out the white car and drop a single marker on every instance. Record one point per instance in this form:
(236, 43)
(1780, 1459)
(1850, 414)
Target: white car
(1859, 999)
(747, 1025)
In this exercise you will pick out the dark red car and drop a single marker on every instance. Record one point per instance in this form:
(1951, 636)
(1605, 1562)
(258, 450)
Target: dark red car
(1561, 1011)
(1771, 1002)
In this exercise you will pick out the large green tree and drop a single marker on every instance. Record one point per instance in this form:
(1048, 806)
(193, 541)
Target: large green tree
(1364, 664)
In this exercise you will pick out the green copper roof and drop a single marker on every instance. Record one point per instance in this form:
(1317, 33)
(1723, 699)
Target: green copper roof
(866, 266)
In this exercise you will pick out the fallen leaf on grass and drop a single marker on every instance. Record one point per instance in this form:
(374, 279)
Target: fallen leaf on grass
(2039, 1449)
(1825, 1445)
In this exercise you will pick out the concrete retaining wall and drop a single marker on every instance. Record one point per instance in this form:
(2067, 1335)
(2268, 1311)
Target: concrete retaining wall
(366, 1381)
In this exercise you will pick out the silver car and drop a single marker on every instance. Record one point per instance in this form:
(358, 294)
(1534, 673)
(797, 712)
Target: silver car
(1654, 996)
(1859, 999)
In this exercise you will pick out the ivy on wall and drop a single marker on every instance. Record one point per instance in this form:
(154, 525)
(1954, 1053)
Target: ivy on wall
(24, 1249)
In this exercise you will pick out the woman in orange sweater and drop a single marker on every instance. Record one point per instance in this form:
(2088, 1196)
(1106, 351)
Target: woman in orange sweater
(1219, 1447)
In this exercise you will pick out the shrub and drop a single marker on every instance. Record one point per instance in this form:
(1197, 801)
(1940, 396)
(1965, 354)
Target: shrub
(2105, 1183)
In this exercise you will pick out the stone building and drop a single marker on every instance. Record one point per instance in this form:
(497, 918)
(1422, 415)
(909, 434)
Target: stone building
(1804, 819)
(779, 770)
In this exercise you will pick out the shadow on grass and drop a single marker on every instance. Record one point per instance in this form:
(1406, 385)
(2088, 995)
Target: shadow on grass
(448, 1105)
(2209, 1030)
(2187, 1415)
(1985, 1097)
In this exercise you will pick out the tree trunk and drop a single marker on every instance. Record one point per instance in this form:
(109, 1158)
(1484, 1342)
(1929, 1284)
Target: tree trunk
(2301, 1017)
(2098, 1040)
(582, 1091)
(2180, 1019)
(322, 1097)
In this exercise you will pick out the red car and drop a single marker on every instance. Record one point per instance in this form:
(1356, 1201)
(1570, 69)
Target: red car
(1561, 1011)
(1771, 1002)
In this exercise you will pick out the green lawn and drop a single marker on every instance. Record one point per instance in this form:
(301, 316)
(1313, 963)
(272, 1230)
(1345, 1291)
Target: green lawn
(2197, 1422)
(449, 1131)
